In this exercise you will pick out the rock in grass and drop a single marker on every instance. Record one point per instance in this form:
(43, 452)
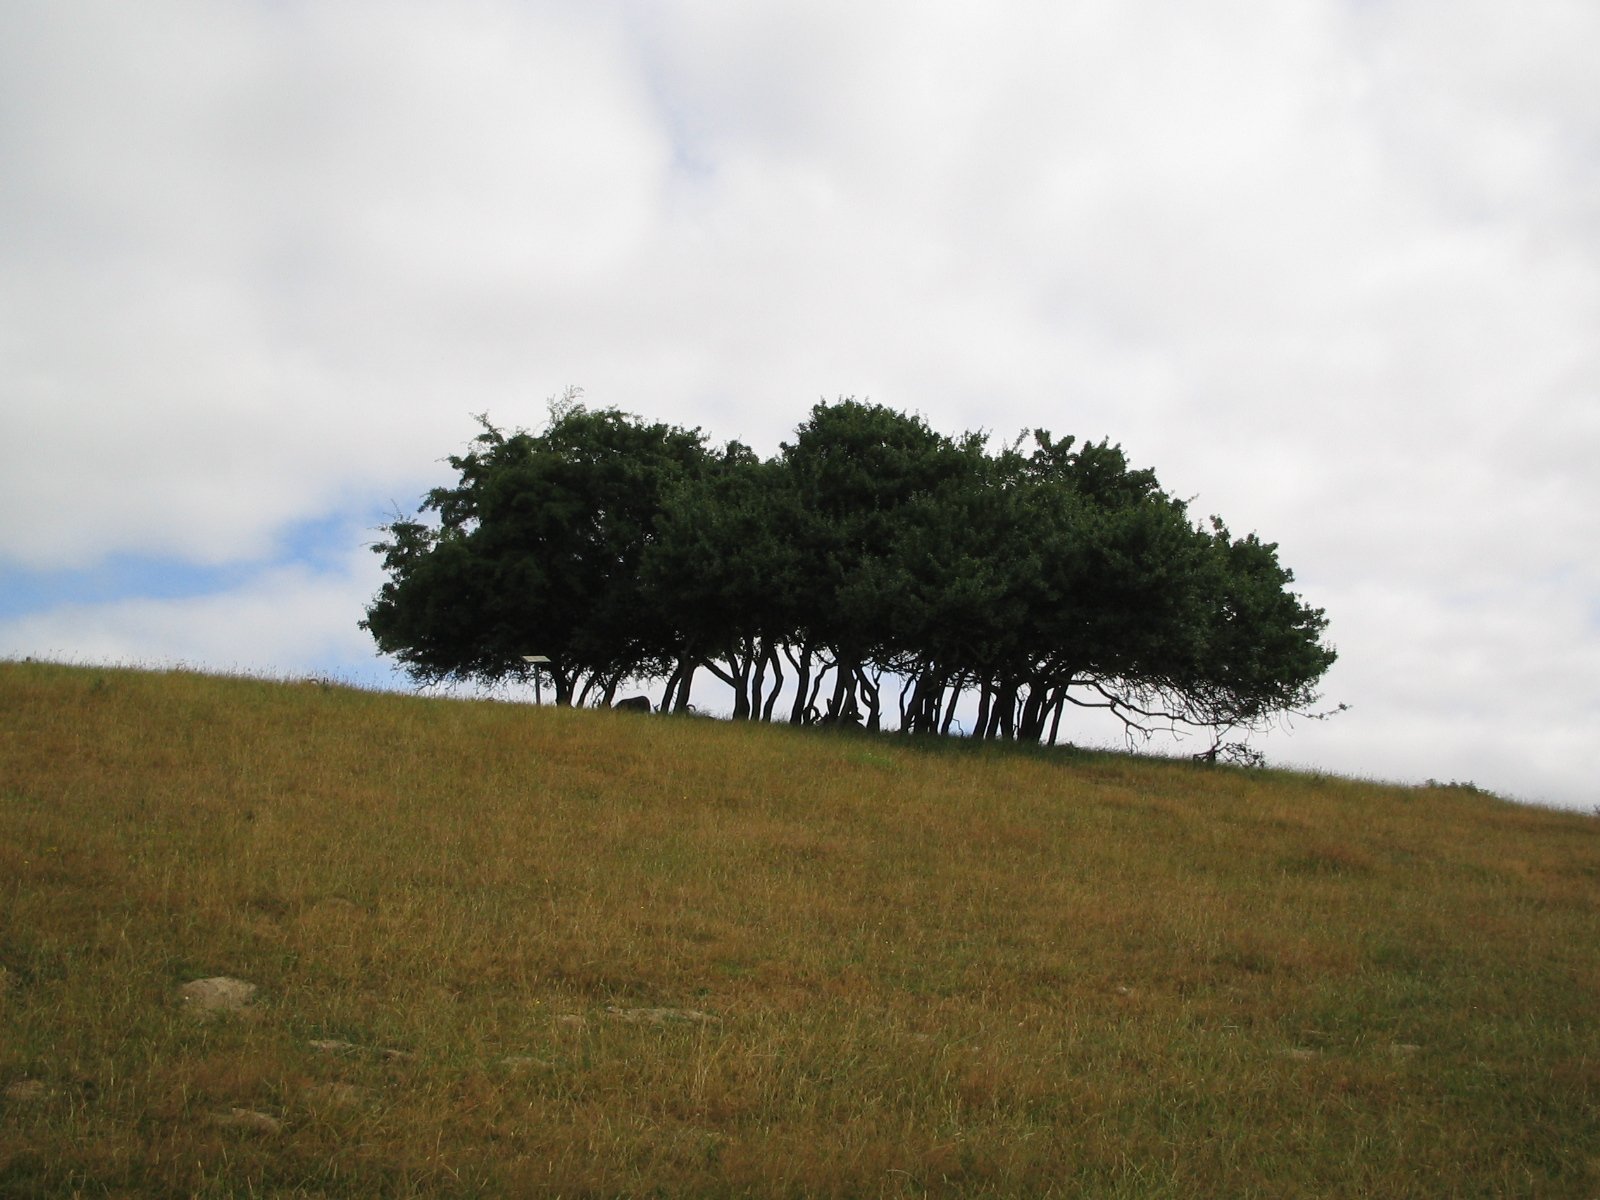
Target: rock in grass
(245, 1118)
(219, 994)
(25, 1091)
(518, 1064)
(341, 1095)
(333, 1046)
(661, 1016)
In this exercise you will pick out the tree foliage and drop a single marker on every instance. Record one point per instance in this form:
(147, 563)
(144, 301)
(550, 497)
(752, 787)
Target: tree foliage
(874, 570)
(538, 548)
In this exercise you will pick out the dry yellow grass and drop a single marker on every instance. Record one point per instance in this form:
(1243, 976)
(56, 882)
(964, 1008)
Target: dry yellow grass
(889, 969)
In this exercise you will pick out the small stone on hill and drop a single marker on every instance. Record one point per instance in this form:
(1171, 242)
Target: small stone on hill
(518, 1063)
(342, 1095)
(333, 1046)
(245, 1118)
(25, 1091)
(216, 995)
(661, 1016)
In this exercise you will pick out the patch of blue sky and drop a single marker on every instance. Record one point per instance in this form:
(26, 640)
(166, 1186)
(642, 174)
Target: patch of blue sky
(324, 544)
(119, 577)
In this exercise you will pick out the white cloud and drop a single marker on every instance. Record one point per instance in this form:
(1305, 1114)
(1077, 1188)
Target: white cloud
(246, 254)
(1331, 268)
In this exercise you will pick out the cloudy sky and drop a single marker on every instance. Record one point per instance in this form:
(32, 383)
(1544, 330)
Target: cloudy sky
(1331, 267)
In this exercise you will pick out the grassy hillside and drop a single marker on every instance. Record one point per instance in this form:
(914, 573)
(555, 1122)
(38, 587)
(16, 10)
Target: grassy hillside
(500, 950)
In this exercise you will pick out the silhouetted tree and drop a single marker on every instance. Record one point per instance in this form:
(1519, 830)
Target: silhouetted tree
(724, 571)
(538, 548)
(871, 552)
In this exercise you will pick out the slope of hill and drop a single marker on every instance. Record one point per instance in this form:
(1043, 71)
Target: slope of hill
(503, 950)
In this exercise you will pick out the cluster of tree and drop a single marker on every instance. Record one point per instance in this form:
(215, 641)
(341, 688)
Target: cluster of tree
(873, 564)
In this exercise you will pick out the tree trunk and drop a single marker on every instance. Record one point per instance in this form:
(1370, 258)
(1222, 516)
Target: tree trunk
(771, 655)
(844, 687)
(922, 716)
(1058, 703)
(914, 711)
(588, 687)
(565, 685)
(743, 702)
(950, 709)
(758, 679)
(1034, 710)
(685, 682)
(1003, 712)
(673, 680)
(1008, 712)
(810, 707)
(741, 693)
(869, 689)
(736, 676)
(802, 665)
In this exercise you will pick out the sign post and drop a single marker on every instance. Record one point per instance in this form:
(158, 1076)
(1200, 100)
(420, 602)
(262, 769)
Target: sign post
(537, 660)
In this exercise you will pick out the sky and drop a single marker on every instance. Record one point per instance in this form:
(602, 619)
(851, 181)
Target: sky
(1330, 267)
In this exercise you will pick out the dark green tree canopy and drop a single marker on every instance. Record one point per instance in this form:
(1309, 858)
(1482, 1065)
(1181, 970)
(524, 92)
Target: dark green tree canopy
(871, 554)
(537, 549)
